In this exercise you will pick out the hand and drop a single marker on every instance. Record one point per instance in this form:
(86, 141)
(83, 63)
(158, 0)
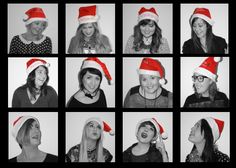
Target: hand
(160, 144)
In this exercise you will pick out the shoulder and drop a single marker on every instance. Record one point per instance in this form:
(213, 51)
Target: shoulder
(221, 157)
(48, 39)
(164, 40)
(15, 38)
(221, 95)
(104, 37)
(50, 89)
(134, 90)
(165, 92)
(128, 150)
(20, 89)
(188, 42)
(51, 158)
(191, 97)
(131, 38)
(75, 148)
(219, 39)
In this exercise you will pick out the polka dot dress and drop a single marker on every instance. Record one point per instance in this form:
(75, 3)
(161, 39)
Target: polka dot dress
(21, 46)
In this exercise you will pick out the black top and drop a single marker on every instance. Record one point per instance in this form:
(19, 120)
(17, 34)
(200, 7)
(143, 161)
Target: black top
(48, 158)
(218, 46)
(101, 102)
(220, 100)
(153, 155)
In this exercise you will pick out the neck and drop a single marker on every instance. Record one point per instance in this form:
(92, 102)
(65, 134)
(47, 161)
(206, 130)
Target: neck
(205, 94)
(143, 145)
(33, 37)
(91, 144)
(151, 95)
(147, 40)
(200, 147)
(29, 152)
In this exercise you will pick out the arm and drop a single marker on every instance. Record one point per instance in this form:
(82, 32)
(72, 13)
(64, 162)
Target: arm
(49, 46)
(13, 48)
(129, 45)
(127, 100)
(161, 147)
(16, 100)
(106, 44)
(164, 47)
(71, 46)
(53, 99)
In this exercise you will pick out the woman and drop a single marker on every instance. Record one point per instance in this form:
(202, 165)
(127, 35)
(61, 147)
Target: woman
(148, 149)
(36, 92)
(204, 135)
(147, 37)
(202, 38)
(205, 88)
(150, 93)
(90, 77)
(91, 147)
(88, 38)
(26, 131)
(33, 41)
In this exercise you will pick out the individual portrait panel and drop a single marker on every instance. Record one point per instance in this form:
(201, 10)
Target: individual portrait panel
(32, 82)
(90, 82)
(142, 128)
(205, 82)
(33, 134)
(147, 82)
(147, 28)
(37, 28)
(92, 131)
(90, 28)
(204, 28)
(212, 144)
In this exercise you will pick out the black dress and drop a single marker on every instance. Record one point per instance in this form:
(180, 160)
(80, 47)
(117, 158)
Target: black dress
(101, 102)
(218, 46)
(48, 158)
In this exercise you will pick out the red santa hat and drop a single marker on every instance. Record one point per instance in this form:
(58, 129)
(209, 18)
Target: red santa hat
(145, 13)
(216, 127)
(94, 62)
(34, 14)
(87, 14)
(103, 124)
(209, 67)
(34, 63)
(202, 13)
(157, 125)
(153, 67)
(18, 123)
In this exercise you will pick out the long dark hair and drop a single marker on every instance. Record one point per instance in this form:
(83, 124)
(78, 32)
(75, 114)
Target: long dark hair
(30, 84)
(138, 37)
(209, 37)
(208, 151)
(90, 70)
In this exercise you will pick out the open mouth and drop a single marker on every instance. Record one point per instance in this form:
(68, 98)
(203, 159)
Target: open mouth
(35, 137)
(144, 135)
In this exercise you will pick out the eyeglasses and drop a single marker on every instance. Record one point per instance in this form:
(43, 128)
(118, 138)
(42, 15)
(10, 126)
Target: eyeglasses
(200, 78)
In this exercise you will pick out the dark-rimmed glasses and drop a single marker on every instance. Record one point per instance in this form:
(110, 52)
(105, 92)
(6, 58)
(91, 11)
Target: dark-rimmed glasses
(200, 78)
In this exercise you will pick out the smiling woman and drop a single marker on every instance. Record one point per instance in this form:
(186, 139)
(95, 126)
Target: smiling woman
(26, 131)
(33, 41)
(36, 92)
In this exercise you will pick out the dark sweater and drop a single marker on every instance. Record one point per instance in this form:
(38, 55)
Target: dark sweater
(48, 158)
(218, 46)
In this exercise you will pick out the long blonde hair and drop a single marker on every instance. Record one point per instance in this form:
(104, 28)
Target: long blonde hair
(83, 157)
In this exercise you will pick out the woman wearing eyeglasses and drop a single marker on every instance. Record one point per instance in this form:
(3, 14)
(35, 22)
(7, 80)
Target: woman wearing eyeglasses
(206, 93)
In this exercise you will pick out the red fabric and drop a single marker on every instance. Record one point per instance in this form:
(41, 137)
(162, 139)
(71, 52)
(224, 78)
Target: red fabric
(16, 120)
(220, 124)
(87, 10)
(143, 10)
(160, 127)
(203, 11)
(106, 127)
(31, 61)
(35, 13)
(210, 65)
(152, 65)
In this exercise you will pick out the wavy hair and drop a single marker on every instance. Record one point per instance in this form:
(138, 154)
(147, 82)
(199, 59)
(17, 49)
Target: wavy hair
(212, 91)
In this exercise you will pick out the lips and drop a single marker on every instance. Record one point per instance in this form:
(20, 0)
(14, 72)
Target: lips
(35, 137)
(144, 135)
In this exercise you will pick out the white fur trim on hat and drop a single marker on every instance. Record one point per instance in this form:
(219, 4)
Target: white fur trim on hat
(148, 15)
(35, 65)
(19, 124)
(27, 22)
(217, 59)
(88, 19)
(95, 119)
(92, 64)
(204, 17)
(205, 72)
(162, 81)
(214, 128)
(148, 72)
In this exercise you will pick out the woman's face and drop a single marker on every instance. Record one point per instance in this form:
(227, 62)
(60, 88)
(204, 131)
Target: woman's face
(88, 29)
(40, 76)
(93, 130)
(146, 133)
(196, 136)
(149, 83)
(37, 27)
(35, 134)
(201, 83)
(91, 81)
(200, 28)
(148, 30)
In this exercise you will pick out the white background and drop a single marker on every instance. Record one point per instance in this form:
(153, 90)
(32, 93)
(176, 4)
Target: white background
(74, 129)
(106, 22)
(219, 13)
(49, 129)
(131, 119)
(188, 119)
(131, 77)
(17, 75)
(72, 83)
(130, 19)
(188, 65)
(16, 25)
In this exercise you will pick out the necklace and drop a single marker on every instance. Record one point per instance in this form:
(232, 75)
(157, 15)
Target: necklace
(90, 95)
(146, 99)
(147, 41)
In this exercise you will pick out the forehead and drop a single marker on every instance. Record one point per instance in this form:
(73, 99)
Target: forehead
(39, 22)
(90, 74)
(197, 74)
(41, 68)
(199, 21)
(146, 76)
(87, 25)
(95, 123)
